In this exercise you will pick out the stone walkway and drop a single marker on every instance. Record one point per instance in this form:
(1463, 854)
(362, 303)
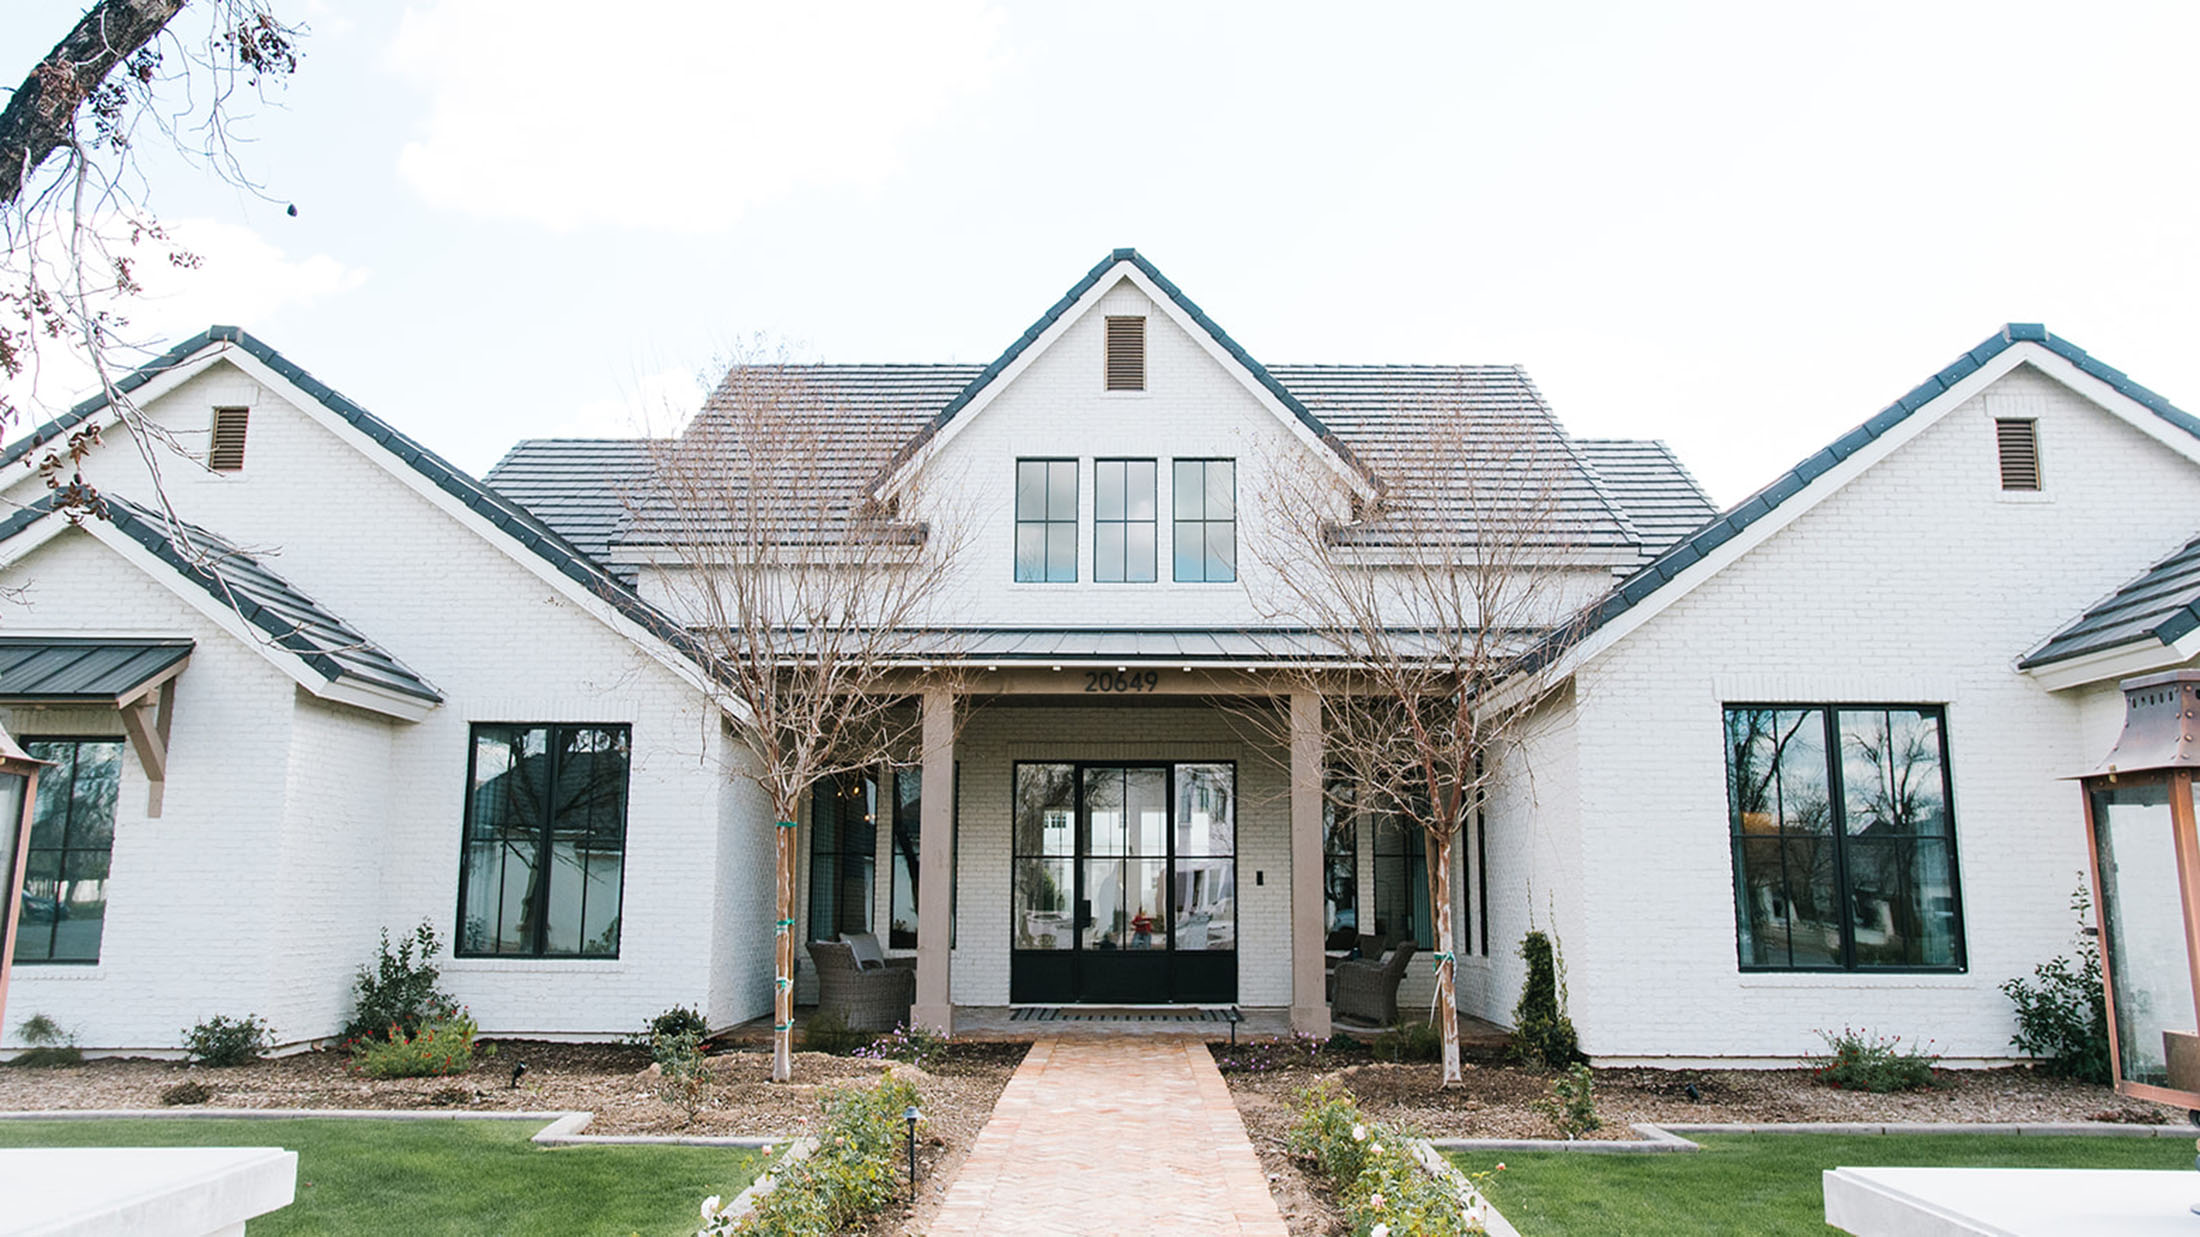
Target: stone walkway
(1112, 1136)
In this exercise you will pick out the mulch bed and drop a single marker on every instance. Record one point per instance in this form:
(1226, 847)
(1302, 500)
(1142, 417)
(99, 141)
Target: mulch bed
(1497, 1098)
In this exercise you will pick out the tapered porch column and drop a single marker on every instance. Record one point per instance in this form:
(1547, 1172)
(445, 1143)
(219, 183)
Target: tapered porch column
(1309, 1004)
(935, 1009)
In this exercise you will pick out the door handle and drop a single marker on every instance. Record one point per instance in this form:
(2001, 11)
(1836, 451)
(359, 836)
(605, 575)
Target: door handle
(1084, 912)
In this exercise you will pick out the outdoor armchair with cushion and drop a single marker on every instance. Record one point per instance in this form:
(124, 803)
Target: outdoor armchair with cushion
(873, 1000)
(1366, 989)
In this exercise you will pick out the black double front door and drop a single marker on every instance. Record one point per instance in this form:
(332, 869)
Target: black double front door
(1125, 884)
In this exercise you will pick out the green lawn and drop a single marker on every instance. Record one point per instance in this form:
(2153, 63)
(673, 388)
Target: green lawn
(1751, 1185)
(435, 1177)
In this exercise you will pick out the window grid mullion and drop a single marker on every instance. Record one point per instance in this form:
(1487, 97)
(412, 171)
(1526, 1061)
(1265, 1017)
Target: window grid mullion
(1837, 812)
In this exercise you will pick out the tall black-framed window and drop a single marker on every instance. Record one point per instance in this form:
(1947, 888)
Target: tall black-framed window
(843, 849)
(543, 872)
(1204, 499)
(1401, 880)
(1843, 838)
(1123, 521)
(1046, 521)
(71, 849)
(1340, 868)
(908, 834)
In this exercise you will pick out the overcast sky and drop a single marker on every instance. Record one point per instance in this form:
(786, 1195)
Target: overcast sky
(1740, 228)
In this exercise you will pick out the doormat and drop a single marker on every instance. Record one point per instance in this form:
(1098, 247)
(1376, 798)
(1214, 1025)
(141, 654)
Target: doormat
(1059, 1013)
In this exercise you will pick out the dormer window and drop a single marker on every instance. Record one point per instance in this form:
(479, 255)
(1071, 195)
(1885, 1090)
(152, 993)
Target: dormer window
(225, 451)
(1126, 354)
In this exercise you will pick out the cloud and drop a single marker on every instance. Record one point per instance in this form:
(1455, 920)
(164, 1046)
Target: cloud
(679, 114)
(242, 279)
(654, 405)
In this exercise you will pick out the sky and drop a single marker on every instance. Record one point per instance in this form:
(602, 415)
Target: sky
(1737, 227)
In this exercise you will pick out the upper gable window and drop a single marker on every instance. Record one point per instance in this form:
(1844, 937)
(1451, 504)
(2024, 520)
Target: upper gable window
(1126, 354)
(1123, 521)
(1046, 521)
(225, 450)
(1206, 521)
(2017, 442)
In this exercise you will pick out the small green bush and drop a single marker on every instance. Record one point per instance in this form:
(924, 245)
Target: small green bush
(909, 1045)
(1570, 1105)
(855, 1171)
(829, 1032)
(679, 1020)
(1372, 1170)
(1542, 1033)
(49, 1044)
(1862, 1061)
(399, 991)
(222, 1040)
(187, 1092)
(444, 1047)
(682, 1071)
(1410, 1041)
(2062, 1015)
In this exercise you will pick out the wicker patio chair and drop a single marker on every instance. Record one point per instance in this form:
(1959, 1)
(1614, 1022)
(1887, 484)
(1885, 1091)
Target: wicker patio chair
(1366, 989)
(873, 1000)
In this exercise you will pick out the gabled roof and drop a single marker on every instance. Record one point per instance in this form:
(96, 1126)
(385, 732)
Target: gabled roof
(237, 582)
(1660, 573)
(1077, 292)
(2160, 607)
(84, 669)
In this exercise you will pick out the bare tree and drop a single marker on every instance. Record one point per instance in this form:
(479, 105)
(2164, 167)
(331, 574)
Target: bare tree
(1418, 604)
(76, 217)
(809, 601)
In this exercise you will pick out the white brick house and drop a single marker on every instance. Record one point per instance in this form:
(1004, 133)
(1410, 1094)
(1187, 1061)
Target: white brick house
(381, 648)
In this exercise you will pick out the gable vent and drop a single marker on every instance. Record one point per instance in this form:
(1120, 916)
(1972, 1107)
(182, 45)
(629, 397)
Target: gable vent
(1126, 354)
(226, 453)
(2019, 445)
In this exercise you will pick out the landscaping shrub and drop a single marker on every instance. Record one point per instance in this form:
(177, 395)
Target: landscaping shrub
(399, 991)
(187, 1092)
(49, 1044)
(2062, 1015)
(682, 1072)
(1542, 1033)
(1571, 1104)
(678, 1020)
(909, 1045)
(1862, 1061)
(855, 1171)
(222, 1040)
(1382, 1187)
(828, 1032)
(1410, 1041)
(442, 1047)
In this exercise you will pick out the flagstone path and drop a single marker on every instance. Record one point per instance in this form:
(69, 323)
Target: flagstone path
(1129, 1135)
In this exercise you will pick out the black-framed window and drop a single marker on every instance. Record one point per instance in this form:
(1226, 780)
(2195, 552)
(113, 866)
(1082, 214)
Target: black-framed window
(1205, 503)
(843, 852)
(1123, 521)
(1046, 521)
(71, 849)
(1401, 880)
(901, 899)
(1340, 868)
(543, 873)
(1843, 839)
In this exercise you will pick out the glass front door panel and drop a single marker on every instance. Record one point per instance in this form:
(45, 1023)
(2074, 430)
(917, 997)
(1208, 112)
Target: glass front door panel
(2143, 914)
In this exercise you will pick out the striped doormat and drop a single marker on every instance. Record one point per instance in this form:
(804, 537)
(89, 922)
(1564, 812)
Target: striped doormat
(1097, 1013)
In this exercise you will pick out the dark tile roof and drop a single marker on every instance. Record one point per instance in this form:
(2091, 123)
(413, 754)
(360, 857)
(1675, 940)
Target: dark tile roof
(2163, 605)
(1660, 571)
(503, 513)
(288, 617)
(82, 669)
(1650, 483)
(578, 486)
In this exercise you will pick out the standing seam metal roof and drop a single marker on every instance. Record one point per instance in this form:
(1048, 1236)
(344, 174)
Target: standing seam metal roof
(82, 669)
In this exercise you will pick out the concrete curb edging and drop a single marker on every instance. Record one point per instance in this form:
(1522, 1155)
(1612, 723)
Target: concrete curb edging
(747, 1200)
(1493, 1223)
(1673, 1137)
(562, 1129)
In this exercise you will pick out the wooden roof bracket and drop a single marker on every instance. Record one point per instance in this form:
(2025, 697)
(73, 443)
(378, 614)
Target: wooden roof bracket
(147, 711)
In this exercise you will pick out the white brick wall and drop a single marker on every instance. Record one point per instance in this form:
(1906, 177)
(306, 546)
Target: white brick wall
(1916, 583)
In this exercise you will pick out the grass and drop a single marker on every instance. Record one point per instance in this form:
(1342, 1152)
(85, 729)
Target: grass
(1748, 1185)
(442, 1177)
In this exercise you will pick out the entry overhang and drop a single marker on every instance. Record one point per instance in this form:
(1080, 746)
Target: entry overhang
(134, 675)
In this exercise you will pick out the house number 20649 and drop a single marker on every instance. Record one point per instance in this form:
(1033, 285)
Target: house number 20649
(1101, 681)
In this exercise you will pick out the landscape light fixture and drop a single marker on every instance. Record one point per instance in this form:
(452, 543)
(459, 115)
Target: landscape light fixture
(18, 798)
(518, 1069)
(909, 1120)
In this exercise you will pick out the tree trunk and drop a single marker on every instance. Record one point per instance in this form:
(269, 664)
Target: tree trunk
(1439, 899)
(42, 115)
(783, 977)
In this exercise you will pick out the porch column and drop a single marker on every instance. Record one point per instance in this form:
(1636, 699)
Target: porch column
(1309, 1004)
(935, 1009)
